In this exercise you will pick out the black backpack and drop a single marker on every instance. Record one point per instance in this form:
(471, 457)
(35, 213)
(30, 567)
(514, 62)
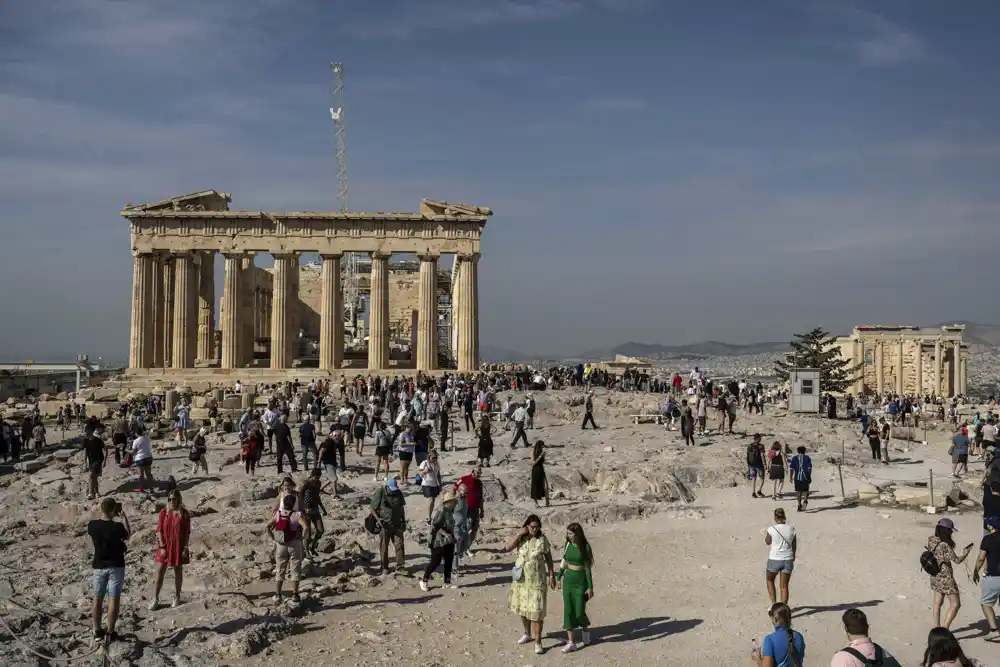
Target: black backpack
(929, 563)
(869, 662)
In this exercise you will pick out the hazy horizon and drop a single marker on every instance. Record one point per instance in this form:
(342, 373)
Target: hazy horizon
(667, 173)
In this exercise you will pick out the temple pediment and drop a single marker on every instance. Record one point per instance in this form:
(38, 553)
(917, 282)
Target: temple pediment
(434, 207)
(206, 200)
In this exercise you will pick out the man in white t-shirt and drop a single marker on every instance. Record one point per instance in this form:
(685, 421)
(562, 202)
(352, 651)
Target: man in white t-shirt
(781, 558)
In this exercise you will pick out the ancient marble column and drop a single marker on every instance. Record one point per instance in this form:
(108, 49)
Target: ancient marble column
(185, 311)
(206, 306)
(879, 369)
(456, 306)
(246, 311)
(427, 319)
(919, 380)
(938, 391)
(156, 296)
(294, 314)
(956, 369)
(378, 334)
(283, 267)
(965, 375)
(169, 284)
(331, 315)
(141, 340)
(230, 320)
(899, 367)
(468, 343)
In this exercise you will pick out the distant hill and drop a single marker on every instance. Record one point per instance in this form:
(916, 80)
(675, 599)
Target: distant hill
(501, 354)
(710, 348)
(978, 334)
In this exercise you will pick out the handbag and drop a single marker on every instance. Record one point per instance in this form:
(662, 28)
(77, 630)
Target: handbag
(517, 573)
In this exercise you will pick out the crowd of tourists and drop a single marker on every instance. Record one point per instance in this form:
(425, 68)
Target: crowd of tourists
(409, 421)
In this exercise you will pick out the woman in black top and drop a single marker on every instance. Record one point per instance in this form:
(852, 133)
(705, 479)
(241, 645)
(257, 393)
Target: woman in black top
(312, 506)
(539, 485)
(485, 452)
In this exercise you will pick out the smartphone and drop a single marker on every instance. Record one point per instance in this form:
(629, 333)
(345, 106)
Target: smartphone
(970, 545)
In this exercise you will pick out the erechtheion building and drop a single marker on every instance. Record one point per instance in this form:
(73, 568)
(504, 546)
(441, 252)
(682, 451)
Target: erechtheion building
(908, 360)
(264, 313)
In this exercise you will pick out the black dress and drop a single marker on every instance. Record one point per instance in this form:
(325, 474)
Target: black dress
(538, 479)
(485, 445)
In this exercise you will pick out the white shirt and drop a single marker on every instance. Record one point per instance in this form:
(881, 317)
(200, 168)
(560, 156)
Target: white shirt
(520, 414)
(432, 474)
(141, 449)
(782, 536)
(989, 432)
(268, 417)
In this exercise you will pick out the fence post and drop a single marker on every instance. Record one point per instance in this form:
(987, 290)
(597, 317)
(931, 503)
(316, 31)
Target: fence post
(932, 487)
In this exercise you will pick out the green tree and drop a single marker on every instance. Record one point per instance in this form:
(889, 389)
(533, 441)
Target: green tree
(817, 349)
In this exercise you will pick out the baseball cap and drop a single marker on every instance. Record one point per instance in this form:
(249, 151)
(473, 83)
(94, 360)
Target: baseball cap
(993, 522)
(947, 523)
(393, 485)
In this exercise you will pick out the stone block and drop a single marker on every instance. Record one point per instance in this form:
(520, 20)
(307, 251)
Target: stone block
(199, 414)
(46, 477)
(199, 402)
(49, 408)
(29, 466)
(66, 454)
(232, 403)
(99, 410)
(105, 394)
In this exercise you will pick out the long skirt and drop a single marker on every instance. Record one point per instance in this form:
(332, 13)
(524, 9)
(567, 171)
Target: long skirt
(485, 447)
(574, 590)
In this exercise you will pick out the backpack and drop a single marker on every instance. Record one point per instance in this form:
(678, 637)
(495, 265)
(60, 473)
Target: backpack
(929, 563)
(194, 454)
(867, 662)
(284, 531)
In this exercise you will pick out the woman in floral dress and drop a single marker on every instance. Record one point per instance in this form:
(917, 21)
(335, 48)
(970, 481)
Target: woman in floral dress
(533, 572)
(943, 583)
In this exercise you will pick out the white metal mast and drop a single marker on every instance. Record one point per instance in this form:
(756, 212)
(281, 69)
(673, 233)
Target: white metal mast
(350, 261)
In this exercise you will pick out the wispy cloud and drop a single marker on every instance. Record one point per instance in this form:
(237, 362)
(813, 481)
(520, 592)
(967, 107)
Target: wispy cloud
(614, 104)
(867, 36)
(413, 19)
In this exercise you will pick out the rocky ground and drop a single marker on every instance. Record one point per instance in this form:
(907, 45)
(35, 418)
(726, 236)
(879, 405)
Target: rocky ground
(678, 539)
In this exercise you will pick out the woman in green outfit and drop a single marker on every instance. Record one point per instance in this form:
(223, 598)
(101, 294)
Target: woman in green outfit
(533, 570)
(577, 585)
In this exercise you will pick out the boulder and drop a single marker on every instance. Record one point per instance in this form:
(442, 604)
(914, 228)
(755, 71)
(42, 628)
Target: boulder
(46, 477)
(62, 396)
(29, 466)
(105, 394)
(868, 491)
(49, 408)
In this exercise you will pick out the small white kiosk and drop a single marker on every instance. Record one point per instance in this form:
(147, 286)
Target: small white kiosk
(803, 391)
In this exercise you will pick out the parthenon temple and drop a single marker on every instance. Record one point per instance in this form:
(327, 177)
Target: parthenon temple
(908, 360)
(292, 316)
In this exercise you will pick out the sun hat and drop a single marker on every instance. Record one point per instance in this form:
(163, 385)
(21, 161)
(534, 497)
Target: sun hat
(447, 496)
(947, 523)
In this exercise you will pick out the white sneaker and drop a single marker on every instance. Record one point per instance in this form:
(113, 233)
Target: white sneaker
(538, 649)
(586, 638)
(568, 648)
(176, 603)
(375, 478)
(154, 605)
(423, 585)
(524, 639)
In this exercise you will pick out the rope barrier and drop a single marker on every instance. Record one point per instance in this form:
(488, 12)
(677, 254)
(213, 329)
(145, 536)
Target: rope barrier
(26, 647)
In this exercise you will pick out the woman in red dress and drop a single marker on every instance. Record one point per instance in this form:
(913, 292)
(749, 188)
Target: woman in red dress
(173, 531)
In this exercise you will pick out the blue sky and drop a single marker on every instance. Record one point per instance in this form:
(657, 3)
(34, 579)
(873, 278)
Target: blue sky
(659, 171)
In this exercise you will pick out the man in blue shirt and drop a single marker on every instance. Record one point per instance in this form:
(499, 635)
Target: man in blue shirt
(959, 453)
(801, 467)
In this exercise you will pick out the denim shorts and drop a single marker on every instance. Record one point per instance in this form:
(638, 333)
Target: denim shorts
(330, 471)
(756, 472)
(109, 582)
(990, 588)
(776, 566)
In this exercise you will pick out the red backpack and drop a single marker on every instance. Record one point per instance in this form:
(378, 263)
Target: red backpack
(285, 530)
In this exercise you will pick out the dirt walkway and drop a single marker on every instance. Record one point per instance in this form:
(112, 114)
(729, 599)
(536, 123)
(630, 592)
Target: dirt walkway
(669, 590)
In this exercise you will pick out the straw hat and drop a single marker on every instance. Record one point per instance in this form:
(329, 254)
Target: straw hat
(447, 496)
